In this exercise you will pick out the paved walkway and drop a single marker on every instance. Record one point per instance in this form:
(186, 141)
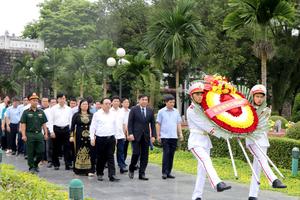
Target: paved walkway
(155, 189)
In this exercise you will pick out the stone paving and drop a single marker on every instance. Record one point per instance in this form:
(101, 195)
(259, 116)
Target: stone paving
(180, 188)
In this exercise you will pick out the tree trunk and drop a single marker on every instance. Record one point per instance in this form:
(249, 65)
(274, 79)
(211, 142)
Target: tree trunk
(104, 88)
(264, 68)
(81, 85)
(177, 91)
(23, 89)
(41, 89)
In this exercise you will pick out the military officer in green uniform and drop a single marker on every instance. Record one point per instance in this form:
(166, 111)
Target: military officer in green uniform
(32, 122)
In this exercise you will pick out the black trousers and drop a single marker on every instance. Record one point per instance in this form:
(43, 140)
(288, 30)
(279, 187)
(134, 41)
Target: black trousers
(4, 144)
(140, 149)
(169, 148)
(105, 149)
(61, 140)
(125, 149)
(11, 137)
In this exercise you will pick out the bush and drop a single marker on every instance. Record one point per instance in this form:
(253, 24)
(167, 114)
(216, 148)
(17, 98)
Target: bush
(284, 121)
(280, 151)
(17, 185)
(294, 131)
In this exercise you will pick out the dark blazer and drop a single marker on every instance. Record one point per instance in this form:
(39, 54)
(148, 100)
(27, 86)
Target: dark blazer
(138, 125)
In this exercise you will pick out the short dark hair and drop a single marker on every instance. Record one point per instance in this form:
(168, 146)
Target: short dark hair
(115, 97)
(60, 95)
(97, 100)
(15, 99)
(46, 98)
(104, 99)
(124, 99)
(168, 97)
(73, 99)
(53, 99)
(142, 96)
(90, 99)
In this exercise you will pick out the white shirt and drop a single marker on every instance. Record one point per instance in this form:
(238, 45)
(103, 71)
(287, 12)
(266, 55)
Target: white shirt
(199, 129)
(47, 112)
(119, 116)
(60, 116)
(103, 124)
(126, 116)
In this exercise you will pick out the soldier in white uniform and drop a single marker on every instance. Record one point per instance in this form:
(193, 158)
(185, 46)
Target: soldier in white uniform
(260, 162)
(199, 143)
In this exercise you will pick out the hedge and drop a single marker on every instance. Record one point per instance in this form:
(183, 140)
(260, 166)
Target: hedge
(294, 131)
(16, 185)
(280, 151)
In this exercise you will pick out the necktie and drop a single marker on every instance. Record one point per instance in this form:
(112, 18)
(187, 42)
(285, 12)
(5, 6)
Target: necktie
(143, 111)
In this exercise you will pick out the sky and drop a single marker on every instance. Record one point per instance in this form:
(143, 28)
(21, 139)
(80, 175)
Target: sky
(15, 14)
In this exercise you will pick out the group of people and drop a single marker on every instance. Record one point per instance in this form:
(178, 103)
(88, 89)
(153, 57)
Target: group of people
(87, 134)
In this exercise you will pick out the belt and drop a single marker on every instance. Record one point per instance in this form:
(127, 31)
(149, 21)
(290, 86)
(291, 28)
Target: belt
(107, 137)
(198, 132)
(61, 127)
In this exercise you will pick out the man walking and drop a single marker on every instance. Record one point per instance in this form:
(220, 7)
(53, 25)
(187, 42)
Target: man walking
(168, 128)
(141, 118)
(102, 134)
(32, 122)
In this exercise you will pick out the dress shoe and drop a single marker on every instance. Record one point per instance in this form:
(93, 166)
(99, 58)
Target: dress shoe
(171, 176)
(113, 178)
(36, 170)
(131, 174)
(25, 157)
(278, 184)
(13, 153)
(67, 167)
(49, 165)
(253, 198)
(222, 186)
(100, 178)
(123, 170)
(56, 168)
(198, 198)
(143, 177)
(32, 171)
(164, 176)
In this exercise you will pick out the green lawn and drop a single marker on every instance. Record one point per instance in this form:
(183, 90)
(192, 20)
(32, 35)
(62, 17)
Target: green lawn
(184, 161)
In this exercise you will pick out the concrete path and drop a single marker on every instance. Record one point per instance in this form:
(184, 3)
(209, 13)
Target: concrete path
(180, 188)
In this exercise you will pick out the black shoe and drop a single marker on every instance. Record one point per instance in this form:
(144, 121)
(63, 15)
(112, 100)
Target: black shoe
(143, 177)
(170, 176)
(253, 198)
(56, 168)
(32, 171)
(123, 170)
(198, 198)
(36, 170)
(67, 167)
(100, 177)
(25, 157)
(13, 153)
(113, 178)
(49, 165)
(278, 184)
(131, 174)
(164, 176)
(222, 186)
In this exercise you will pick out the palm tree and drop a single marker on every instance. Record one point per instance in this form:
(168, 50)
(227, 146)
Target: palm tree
(143, 75)
(21, 71)
(261, 15)
(97, 53)
(175, 36)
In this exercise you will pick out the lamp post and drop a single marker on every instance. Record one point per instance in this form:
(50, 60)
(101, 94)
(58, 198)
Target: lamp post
(111, 62)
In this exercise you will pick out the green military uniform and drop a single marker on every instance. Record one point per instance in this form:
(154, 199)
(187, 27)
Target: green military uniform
(34, 121)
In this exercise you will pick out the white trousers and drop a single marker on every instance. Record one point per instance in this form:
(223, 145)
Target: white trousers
(259, 163)
(205, 167)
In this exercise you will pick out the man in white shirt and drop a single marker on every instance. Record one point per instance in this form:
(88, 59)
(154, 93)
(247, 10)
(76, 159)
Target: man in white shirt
(59, 126)
(120, 136)
(102, 134)
(126, 110)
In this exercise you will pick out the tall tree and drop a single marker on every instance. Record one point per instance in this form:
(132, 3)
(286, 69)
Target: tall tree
(261, 15)
(174, 37)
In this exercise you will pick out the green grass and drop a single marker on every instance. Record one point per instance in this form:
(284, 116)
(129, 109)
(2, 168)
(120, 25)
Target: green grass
(184, 161)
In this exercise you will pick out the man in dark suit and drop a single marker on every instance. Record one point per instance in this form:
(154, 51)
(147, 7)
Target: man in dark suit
(141, 131)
